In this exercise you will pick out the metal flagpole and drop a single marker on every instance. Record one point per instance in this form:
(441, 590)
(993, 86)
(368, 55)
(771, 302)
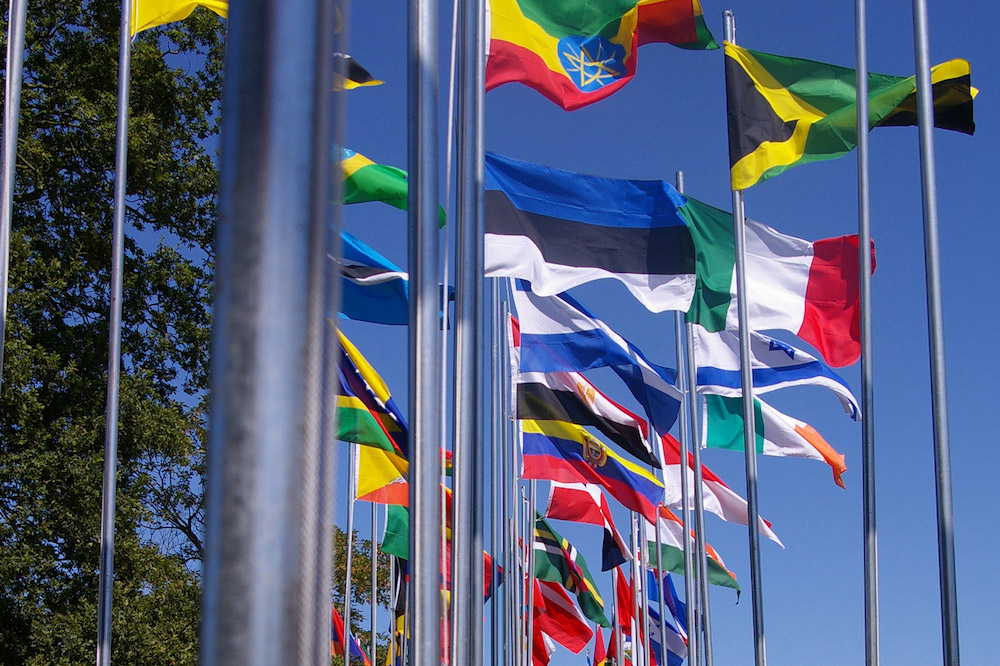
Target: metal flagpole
(352, 473)
(373, 612)
(17, 17)
(495, 476)
(660, 595)
(644, 582)
(935, 325)
(635, 587)
(468, 541)
(687, 443)
(529, 543)
(616, 622)
(424, 338)
(392, 600)
(749, 431)
(266, 521)
(867, 360)
(697, 605)
(110, 483)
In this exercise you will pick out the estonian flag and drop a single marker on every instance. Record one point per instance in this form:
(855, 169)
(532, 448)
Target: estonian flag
(559, 229)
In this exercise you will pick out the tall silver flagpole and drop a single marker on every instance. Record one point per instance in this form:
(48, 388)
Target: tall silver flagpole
(687, 443)
(700, 600)
(529, 542)
(935, 325)
(267, 595)
(17, 17)
(373, 609)
(468, 540)
(352, 473)
(643, 584)
(660, 595)
(635, 565)
(867, 360)
(495, 420)
(749, 431)
(110, 484)
(424, 338)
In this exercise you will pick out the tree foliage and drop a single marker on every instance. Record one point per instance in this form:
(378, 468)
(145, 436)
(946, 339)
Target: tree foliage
(52, 400)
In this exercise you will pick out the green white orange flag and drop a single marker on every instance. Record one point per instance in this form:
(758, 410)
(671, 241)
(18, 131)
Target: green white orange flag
(576, 52)
(777, 434)
(151, 13)
(671, 542)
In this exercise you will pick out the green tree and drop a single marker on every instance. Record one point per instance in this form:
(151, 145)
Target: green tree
(52, 399)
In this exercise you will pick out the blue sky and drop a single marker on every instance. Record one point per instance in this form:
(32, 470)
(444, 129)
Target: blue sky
(672, 117)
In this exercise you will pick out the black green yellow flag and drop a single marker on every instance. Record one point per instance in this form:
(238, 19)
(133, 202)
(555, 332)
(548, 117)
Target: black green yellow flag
(788, 111)
(558, 561)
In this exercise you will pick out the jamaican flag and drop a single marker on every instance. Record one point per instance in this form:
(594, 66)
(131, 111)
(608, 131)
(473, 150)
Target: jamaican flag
(788, 111)
(557, 561)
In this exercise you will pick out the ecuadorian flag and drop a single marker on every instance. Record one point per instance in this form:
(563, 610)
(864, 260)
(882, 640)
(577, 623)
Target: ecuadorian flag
(576, 52)
(566, 452)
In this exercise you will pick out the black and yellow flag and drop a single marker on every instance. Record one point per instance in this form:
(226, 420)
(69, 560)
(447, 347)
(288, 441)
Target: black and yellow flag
(348, 74)
(788, 111)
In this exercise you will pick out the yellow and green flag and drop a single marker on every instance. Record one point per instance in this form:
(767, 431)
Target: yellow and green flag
(788, 111)
(151, 13)
(365, 180)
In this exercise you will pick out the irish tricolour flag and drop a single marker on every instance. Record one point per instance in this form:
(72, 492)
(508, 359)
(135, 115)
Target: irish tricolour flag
(809, 288)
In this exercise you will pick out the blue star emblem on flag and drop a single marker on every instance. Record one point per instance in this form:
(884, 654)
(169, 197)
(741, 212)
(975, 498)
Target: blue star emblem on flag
(591, 62)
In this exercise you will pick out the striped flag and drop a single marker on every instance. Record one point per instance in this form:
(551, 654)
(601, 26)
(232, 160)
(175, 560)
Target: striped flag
(671, 540)
(558, 561)
(558, 229)
(719, 498)
(585, 503)
(559, 334)
(557, 615)
(777, 434)
(566, 452)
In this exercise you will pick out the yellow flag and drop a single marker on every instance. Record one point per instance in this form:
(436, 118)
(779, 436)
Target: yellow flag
(151, 13)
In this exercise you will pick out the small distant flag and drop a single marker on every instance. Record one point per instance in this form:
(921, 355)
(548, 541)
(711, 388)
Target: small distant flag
(671, 541)
(349, 74)
(365, 180)
(337, 639)
(151, 13)
(576, 52)
(558, 561)
(585, 503)
(788, 111)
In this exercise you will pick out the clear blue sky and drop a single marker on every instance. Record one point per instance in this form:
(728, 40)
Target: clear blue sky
(672, 116)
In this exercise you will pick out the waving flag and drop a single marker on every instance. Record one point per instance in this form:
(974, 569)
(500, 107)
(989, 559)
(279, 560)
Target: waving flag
(600, 653)
(585, 503)
(569, 396)
(151, 13)
(789, 111)
(567, 452)
(775, 364)
(807, 288)
(719, 498)
(559, 334)
(349, 74)
(676, 638)
(557, 615)
(365, 180)
(557, 561)
(671, 539)
(777, 434)
(359, 380)
(337, 639)
(558, 229)
(577, 52)
(373, 288)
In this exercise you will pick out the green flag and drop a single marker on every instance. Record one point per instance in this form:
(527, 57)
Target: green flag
(557, 561)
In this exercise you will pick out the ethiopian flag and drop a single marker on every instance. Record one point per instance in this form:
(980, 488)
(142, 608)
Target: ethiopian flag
(788, 111)
(576, 52)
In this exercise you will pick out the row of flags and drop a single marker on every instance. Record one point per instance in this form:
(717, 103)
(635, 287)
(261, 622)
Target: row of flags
(670, 250)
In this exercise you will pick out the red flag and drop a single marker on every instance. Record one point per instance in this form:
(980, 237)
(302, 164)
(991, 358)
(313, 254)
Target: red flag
(624, 602)
(600, 654)
(556, 614)
(585, 503)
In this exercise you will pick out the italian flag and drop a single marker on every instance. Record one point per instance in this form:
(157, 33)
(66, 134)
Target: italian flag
(671, 541)
(809, 288)
(777, 434)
